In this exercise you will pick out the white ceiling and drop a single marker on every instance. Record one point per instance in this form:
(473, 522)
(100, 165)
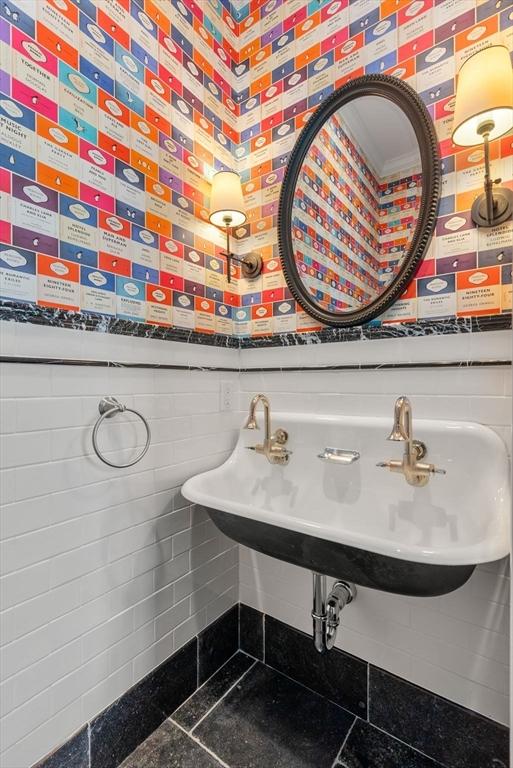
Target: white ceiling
(383, 132)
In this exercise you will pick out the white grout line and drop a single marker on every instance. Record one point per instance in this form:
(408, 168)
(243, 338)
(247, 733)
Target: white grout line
(234, 654)
(263, 637)
(223, 696)
(208, 679)
(339, 753)
(368, 691)
(250, 656)
(198, 742)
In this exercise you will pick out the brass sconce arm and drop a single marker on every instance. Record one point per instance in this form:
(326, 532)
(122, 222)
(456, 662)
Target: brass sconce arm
(251, 263)
(489, 209)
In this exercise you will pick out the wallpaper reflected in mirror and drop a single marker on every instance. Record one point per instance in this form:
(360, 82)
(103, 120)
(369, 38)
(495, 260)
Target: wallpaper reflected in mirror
(356, 204)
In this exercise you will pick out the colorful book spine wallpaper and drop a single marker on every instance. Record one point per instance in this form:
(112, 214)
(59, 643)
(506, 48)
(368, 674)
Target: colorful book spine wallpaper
(350, 225)
(114, 114)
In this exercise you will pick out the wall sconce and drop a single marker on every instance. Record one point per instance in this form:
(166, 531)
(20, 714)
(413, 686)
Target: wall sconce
(483, 112)
(227, 211)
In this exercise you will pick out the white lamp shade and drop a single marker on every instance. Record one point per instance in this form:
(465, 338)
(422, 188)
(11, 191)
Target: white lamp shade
(484, 93)
(226, 200)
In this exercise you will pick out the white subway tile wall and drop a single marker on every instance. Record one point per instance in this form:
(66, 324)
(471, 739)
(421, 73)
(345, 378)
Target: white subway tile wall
(456, 645)
(105, 573)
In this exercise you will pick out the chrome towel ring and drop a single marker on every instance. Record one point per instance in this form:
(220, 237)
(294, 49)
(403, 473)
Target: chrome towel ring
(108, 408)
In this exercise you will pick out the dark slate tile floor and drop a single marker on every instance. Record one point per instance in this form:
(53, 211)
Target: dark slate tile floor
(249, 715)
(269, 720)
(367, 747)
(170, 747)
(191, 711)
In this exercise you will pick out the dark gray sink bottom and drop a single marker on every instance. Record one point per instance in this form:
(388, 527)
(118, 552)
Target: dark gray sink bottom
(366, 569)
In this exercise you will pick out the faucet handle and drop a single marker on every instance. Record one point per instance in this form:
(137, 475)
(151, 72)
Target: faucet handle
(280, 436)
(420, 470)
(256, 448)
(420, 448)
(431, 469)
(394, 465)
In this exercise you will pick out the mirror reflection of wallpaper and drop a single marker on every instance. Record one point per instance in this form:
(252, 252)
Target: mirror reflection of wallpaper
(351, 228)
(335, 224)
(399, 205)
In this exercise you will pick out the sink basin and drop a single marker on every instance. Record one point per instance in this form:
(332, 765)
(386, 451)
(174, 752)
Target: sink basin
(360, 522)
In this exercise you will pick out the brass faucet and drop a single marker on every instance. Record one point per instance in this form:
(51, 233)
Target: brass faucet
(273, 447)
(415, 471)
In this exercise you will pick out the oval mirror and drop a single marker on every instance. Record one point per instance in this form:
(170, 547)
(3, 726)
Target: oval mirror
(359, 200)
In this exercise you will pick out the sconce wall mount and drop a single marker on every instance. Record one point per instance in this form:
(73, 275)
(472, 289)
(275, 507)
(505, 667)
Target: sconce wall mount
(251, 264)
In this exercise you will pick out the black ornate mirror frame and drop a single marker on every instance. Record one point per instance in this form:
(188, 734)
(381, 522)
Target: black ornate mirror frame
(414, 109)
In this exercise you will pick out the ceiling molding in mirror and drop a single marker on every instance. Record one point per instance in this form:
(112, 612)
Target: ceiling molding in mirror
(359, 201)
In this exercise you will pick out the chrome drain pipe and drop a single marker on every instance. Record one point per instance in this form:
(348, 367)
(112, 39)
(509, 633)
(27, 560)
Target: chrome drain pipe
(326, 610)
(318, 611)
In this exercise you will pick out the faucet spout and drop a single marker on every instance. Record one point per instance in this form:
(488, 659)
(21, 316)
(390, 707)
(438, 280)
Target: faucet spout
(402, 429)
(252, 423)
